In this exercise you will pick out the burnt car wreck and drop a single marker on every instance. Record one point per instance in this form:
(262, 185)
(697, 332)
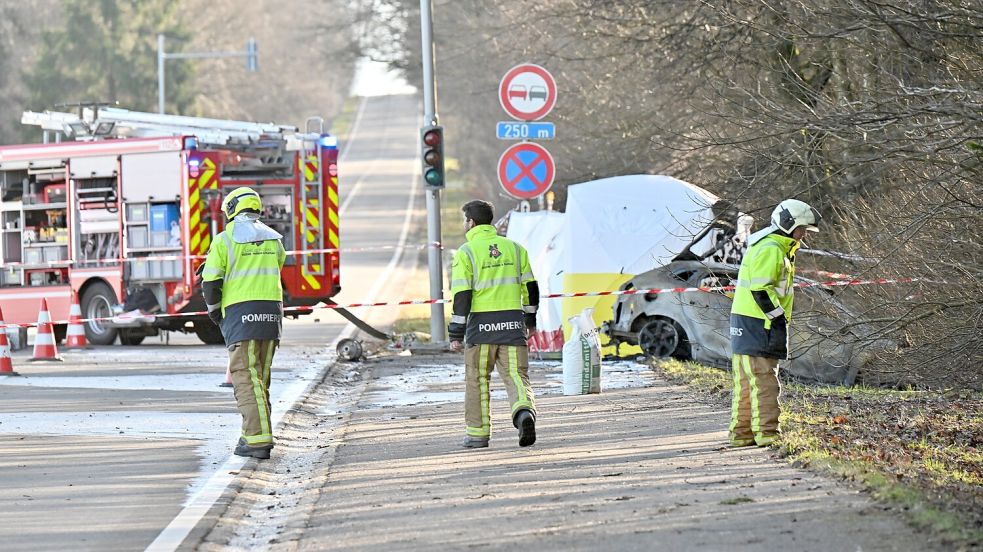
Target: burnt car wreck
(688, 324)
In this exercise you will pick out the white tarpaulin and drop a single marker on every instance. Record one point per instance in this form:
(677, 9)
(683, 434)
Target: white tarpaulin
(613, 229)
(540, 233)
(632, 224)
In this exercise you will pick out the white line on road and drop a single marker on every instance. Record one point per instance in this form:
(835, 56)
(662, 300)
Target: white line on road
(358, 183)
(352, 131)
(181, 526)
(249, 535)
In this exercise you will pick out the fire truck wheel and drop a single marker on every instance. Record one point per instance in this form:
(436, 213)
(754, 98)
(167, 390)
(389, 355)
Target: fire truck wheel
(131, 337)
(61, 330)
(97, 302)
(208, 332)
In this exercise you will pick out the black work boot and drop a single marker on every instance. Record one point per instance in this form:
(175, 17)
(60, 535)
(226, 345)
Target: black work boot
(243, 449)
(525, 421)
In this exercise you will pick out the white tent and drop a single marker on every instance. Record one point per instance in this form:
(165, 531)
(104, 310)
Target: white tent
(540, 233)
(614, 228)
(632, 224)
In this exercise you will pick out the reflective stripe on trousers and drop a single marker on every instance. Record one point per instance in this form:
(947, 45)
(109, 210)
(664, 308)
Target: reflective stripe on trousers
(249, 364)
(754, 406)
(512, 362)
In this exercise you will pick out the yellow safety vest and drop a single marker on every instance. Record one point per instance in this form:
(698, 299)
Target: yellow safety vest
(496, 269)
(250, 271)
(768, 265)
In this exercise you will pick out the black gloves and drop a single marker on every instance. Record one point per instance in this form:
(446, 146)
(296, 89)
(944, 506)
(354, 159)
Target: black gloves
(216, 316)
(530, 319)
(455, 331)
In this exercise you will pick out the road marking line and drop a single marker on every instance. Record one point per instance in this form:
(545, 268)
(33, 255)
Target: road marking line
(181, 526)
(358, 183)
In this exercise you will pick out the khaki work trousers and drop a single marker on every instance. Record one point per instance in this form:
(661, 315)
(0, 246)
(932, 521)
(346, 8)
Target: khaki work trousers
(755, 408)
(249, 363)
(513, 367)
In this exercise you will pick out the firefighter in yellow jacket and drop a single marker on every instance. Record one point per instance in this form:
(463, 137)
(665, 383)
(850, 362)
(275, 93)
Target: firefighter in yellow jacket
(495, 302)
(241, 284)
(759, 321)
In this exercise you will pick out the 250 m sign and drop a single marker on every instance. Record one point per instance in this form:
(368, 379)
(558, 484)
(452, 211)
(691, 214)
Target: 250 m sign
(525, 131)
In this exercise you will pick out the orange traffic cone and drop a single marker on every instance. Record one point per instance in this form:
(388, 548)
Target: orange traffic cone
(6, 365)
(228, 378)
(44, 342)
(75, 335)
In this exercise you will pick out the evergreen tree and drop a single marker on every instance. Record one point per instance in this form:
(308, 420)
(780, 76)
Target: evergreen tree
(107, 51)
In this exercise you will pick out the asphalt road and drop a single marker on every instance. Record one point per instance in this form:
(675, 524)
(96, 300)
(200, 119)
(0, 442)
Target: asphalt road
(121, 447)
(372, 460)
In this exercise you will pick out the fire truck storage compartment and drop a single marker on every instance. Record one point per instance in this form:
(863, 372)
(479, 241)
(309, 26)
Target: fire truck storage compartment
(97, 225)
(137, 212)
(137, 223)
(164, 229)
(153, 225)
(45, 236)
(94, 167)
(154, 269)
(13, 184)
(10, 244)
(278, 213)
(153, 230)
(33, 232)
(54, 193)
(149, 176)
(137, 237)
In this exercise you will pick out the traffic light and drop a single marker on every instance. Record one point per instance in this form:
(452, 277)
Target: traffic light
(432, 155)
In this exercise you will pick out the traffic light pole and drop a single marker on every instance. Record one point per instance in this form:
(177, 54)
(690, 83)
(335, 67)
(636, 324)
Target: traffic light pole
(437, 327)
(162, 56)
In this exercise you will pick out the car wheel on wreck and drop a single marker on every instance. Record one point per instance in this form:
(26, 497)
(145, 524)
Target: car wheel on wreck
(663, 338)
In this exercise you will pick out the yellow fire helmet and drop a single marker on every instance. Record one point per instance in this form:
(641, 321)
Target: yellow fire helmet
(239, 200)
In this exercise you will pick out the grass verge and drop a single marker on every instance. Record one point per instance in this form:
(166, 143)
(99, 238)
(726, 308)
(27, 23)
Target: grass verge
(918, 451)
(341, 124)
(416, 324)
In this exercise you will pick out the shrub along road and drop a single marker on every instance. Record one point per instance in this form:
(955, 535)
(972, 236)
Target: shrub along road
(918, 451)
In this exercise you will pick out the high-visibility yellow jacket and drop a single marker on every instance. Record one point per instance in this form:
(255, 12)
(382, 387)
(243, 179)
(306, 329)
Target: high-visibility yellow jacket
(249, 271)
(252, 295)
(490, 282)
(763, 298)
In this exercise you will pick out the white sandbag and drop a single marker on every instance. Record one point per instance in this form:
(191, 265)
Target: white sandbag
(582, 356)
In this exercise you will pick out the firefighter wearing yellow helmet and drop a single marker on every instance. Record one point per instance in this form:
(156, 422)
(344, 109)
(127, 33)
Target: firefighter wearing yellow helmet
(241, 284)
(759, 321)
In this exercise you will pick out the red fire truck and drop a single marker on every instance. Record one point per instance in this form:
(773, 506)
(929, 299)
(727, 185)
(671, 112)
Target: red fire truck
(117, 205)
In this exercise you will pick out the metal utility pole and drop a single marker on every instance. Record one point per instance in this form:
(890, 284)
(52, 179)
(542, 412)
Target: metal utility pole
(162, 56)
(437, 328)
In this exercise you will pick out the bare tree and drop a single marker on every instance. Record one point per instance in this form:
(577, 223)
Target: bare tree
(872, 110)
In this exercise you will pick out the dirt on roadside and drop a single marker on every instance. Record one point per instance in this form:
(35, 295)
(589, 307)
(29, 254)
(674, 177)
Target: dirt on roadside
(635, 468)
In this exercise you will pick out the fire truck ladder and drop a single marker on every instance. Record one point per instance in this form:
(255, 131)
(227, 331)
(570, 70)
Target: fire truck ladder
(311, 200)
(111, 122)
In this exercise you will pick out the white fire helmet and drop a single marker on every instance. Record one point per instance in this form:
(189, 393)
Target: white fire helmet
(792, 213)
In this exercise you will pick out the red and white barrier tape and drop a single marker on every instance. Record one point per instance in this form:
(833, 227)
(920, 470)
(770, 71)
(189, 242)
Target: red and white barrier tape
(826, 273)
(834, 283)
(62, 264)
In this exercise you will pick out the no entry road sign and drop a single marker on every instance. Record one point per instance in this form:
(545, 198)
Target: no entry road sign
(527, 92)
(526, 170)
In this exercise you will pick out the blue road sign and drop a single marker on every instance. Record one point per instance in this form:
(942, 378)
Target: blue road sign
(526, 170)
(525, 131)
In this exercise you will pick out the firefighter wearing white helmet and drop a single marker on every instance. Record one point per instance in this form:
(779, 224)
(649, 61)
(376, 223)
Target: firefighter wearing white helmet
(241, 284)
(759, 321)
